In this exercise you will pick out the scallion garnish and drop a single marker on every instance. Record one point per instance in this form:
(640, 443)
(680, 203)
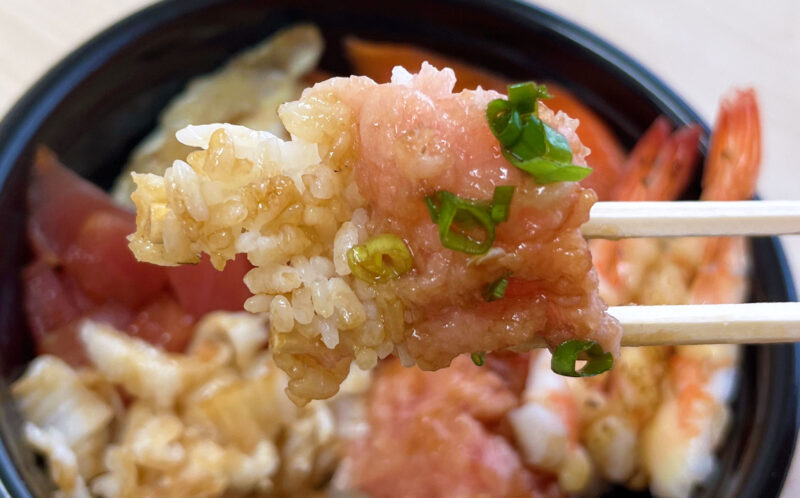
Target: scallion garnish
(527, 142)
(458, 218)
(525, 96)
(478, 358)
(497, 289)
(568, 352)
(507, 124)
(501, 203)
(381, 258)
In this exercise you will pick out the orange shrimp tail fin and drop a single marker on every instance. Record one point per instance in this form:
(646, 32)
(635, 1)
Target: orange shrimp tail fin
(734, 157)
(731, 172)
(660, 165)
(640, 162)
(672, 175)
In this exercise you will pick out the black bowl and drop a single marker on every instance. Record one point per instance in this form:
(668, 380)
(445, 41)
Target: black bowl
(100, 101)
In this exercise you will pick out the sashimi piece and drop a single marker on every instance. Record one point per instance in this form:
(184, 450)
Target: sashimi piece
(84, 269)
(99, 260)
(59, 201)
(55, 306)
(48, 302)
(428, 437)
(165, 323)
(202, 289)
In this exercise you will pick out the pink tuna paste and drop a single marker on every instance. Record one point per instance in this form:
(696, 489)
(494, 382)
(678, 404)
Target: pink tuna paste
(414, 137)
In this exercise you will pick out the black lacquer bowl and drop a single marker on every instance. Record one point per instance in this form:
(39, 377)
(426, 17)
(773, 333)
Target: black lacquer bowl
(100, 101)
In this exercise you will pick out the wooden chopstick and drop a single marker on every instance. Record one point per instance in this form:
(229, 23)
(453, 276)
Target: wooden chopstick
(692, 324)
(749, 323)
(619, 220)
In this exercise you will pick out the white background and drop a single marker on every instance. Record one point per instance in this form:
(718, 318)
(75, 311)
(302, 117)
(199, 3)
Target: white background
(700, 48)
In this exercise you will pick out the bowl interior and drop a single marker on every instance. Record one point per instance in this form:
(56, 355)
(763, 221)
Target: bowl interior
(99, 102)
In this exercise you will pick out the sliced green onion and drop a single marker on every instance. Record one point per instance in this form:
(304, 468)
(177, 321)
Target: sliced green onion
(550, 172)
(511, 129)
(497, 289)
(532, 142)
(525, 96)
(433, 209)
(501, 203)
(456, 215)
(496, 110)
(505, 121)
(566, 174)
(526, 141)
(381, 258)
(558, 149)
(568, 352)
(470, 214)
(478, 358)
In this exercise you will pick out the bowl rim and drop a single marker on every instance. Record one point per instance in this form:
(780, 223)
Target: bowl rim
(27, 114)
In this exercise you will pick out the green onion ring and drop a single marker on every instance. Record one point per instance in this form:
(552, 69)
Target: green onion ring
(452, 205)
(568, 352)
(497, 289)
(501, 203)
(380, 259)
(526, 141)
(523, 96)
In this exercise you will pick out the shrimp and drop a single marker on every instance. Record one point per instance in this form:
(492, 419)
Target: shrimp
(672, 425)
(658, 169)
(547, 404)
(678, 445)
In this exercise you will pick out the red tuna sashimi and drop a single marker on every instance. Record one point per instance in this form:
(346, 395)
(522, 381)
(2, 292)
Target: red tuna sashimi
(84, 269)
(165, 323)
(428, 436)
(100, 261)
(201, 289)
(48, 301)
(59, 201)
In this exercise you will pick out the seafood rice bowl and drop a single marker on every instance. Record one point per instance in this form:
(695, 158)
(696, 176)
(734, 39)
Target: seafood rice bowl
(310, 285)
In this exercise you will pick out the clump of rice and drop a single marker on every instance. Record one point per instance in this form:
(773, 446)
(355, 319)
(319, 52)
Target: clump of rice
(295, 215)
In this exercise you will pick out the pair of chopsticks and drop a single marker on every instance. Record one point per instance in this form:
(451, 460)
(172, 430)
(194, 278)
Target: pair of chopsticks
(749, 323)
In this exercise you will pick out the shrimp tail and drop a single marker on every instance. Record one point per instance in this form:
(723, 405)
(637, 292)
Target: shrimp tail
(640, 161)
(735, 153)
(661, 164)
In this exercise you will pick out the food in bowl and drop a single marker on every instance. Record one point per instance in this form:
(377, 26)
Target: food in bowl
(215, 418)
